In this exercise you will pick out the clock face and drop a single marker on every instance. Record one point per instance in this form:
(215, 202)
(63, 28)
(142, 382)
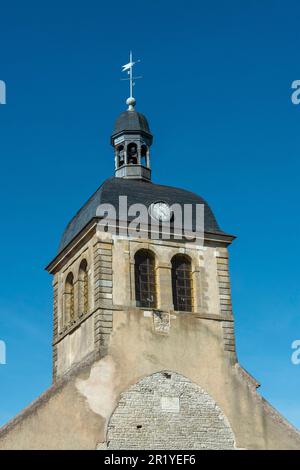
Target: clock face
(160, 211)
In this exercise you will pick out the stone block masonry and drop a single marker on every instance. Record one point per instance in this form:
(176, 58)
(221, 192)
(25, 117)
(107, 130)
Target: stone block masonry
(55, 328)
(167, 411)
(225, 299)
(103, 295)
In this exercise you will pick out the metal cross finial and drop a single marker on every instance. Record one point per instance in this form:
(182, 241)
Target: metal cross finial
(128, 67)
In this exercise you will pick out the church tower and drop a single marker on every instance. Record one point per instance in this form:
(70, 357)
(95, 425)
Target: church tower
(144, 350)
(97, 274)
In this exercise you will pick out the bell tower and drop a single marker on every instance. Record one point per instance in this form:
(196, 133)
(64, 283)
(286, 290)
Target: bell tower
(132, 138)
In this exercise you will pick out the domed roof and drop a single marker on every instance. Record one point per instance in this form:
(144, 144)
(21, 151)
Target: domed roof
(131, 120)
(143, 192)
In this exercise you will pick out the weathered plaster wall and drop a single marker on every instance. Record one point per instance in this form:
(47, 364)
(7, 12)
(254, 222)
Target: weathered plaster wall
(59, 419)
(76, 346)
(76, 415)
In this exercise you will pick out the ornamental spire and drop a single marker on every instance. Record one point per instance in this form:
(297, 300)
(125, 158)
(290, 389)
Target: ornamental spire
(129, 69)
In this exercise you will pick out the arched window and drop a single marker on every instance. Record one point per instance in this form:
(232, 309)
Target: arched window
(69, 313)
(144, 155)
(83, 291)
(120, 151)
(132, 154)
(145, 288)
(182, 283)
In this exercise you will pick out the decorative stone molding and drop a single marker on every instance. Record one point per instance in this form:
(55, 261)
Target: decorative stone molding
(161, 321)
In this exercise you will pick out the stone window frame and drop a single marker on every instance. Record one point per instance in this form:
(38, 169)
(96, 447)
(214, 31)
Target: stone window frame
(164, 262)
(137, 246)
(190, 287)
(195, 257)
(69, 314)
(73, 266)
(83, 288)
(154, 293)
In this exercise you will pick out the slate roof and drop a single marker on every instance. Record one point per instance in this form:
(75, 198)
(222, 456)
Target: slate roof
(137, 191)
(131, 121)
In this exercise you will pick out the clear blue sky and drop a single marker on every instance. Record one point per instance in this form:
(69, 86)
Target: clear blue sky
(216, 90)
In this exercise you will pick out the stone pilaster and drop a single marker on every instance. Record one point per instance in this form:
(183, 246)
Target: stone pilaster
(225, 299)
(76, 300)
(197, 286)
(103, 294)
(228, 335)
(224, 284)
(55, 326)
(164, 287)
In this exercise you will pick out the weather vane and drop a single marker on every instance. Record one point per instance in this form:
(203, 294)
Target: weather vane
(128, 68)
